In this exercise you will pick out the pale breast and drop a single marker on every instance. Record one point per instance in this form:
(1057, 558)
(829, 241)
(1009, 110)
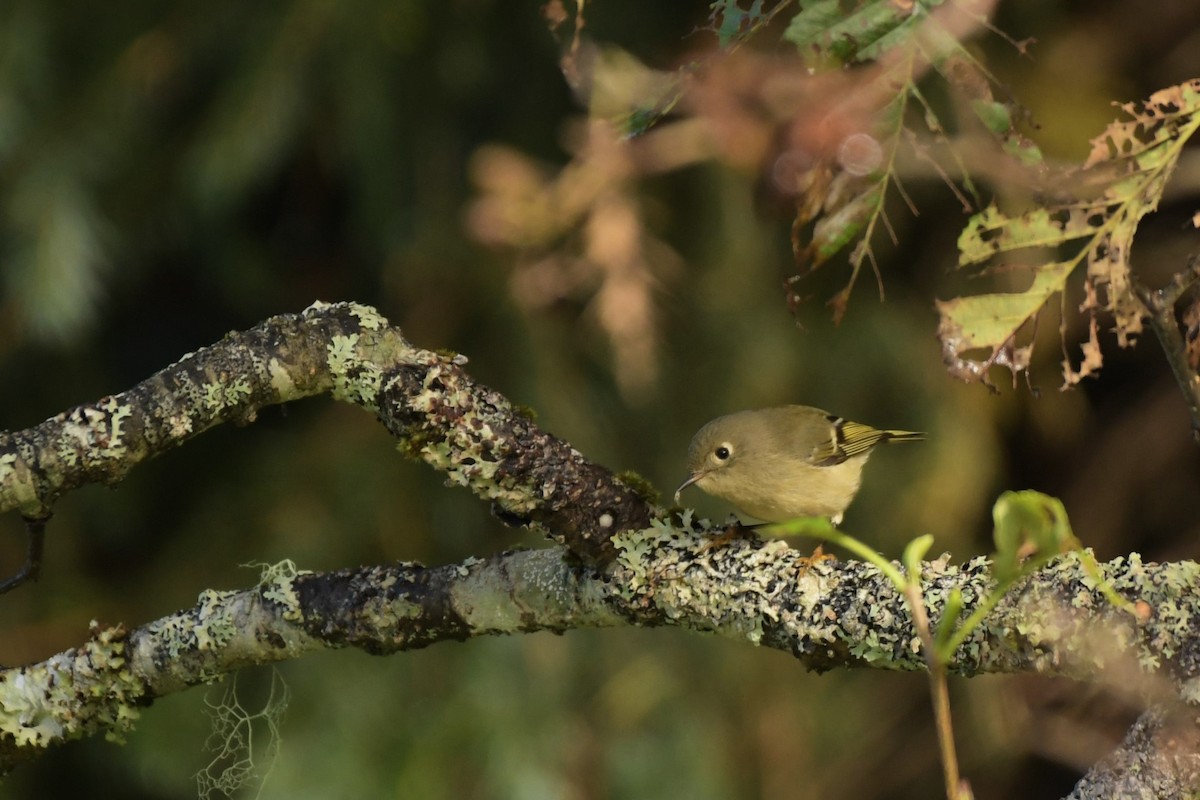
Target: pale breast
(823, 492)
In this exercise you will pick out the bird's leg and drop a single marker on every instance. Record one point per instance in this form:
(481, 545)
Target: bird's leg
(818, 553)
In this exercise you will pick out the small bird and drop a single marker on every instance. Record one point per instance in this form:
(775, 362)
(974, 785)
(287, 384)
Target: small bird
(776, 464)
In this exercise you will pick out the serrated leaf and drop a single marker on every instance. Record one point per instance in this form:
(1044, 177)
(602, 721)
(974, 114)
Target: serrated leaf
(732, 23)
(1122, 180)
(963, 71)
(809, 27)
(1154, 122)
(827, 34)
(992, 232)
(835, 231)
(904, 39)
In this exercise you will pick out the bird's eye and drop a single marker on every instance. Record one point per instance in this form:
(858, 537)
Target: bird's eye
(722, 453)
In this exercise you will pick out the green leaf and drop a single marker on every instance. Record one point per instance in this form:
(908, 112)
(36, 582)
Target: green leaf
(731, 23)
(991, 232)
(914, 552)
(991, 321)
(808, 28)
(826, 34)
(1029, 529)
(836, 230)
(996, 117)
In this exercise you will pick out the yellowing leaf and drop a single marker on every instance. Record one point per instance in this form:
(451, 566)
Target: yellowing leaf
(987, 321)
(1121, 181)
(991, 232)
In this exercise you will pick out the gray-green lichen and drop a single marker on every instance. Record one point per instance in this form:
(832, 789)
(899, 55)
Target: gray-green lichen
(531, 477)
(16, 477)
(1058, 621)
(278, 585)
(83, 691)
(344, 348)
(470, 451)
(827, 613)
(1064, 603)
(355, 379)
(206, 627)
(368, 318)
(743, 588)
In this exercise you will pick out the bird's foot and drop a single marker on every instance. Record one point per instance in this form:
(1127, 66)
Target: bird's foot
(818, 555)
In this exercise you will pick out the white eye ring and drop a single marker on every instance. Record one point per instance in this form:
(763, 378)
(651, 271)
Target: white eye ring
(723, 451)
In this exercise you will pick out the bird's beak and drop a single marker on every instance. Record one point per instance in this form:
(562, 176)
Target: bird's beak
(695, 477)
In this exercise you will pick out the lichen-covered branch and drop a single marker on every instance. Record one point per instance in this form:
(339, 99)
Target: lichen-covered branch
(97, 688)
(848, 614)
(471, 432)
(341, 348)
(1159, 760)
(828, 614)
(426, 399)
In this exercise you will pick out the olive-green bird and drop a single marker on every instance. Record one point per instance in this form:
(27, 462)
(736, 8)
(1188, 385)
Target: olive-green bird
(777, 464)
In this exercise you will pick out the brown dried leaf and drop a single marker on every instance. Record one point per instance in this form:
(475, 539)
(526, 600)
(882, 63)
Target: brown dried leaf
(1092, 358)
(580, 235)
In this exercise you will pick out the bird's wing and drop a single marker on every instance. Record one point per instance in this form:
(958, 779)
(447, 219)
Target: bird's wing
(846, 440)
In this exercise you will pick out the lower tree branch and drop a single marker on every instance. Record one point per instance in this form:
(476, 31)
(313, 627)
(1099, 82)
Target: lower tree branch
(828, 614)
(1160, 759)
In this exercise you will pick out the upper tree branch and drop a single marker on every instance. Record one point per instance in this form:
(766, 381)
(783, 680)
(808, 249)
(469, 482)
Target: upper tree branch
(426, 399)
(470, 432)
(326, 348)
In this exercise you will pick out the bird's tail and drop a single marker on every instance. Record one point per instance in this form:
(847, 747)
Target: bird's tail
(903, 436)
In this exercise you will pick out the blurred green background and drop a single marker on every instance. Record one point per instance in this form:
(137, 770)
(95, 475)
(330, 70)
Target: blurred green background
(169, 172)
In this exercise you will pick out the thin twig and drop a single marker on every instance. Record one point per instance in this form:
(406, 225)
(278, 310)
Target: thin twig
(35, 539)
(1160, 312)
(938, 690)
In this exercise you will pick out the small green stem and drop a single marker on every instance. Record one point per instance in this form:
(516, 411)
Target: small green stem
(910, 587)
(985, 607)
(938, 689)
